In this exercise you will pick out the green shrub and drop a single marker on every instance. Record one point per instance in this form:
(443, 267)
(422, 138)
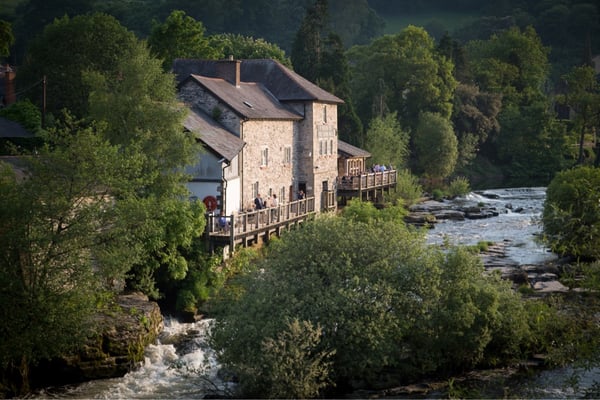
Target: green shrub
(407, 187)
(381, 304)
(459, 187)
(437, 194)
(571, 215)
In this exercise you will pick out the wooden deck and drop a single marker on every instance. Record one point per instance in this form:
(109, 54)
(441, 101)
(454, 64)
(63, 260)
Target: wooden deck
(367, 187)
(252, 227)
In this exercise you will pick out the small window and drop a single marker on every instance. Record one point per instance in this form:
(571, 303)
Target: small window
(325, 114)
(264, 157)
(287, 155)
(254, 189)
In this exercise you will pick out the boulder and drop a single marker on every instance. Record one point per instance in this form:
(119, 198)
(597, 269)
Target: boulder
(117, 348)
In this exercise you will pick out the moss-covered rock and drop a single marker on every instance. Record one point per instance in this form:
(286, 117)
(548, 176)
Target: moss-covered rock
(116, 349)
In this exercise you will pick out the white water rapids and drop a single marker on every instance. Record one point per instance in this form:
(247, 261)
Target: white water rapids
(165, 373)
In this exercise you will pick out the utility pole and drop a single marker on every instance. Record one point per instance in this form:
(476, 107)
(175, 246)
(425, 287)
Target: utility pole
(44, 101)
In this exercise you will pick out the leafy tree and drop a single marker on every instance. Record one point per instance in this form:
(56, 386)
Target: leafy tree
(515, 65)
(180, 36)
(244, 47)
(6, 38)
(334, 76)
(58, 229)
(583, 97)
(571, 216)
(475, 120)
(436, 146)
(387, 142)
(308, 45)
(401, 73)
(69, 47)
(396, 304)
(25, 113)
(142, 116)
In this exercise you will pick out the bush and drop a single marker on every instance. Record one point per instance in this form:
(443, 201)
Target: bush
(382, 299)
(407, 188)
(571, 216)
(459, 187)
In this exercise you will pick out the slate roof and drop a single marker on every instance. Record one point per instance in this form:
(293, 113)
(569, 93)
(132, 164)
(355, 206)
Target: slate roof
(12, 129)
(250, 100)
(352, 151)
(218, 139)
(283, 83)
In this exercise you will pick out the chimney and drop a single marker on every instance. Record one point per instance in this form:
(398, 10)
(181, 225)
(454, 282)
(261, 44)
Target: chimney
(229, 70)
(9, 86)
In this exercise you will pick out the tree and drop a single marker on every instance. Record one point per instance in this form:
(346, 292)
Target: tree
(244, 47)
(67, 48)
(143, 117)
(583, 98)
(475, 120)
(514, 64)
(387, 142)
(307, 48)
(371, 304)
(436, 146)
(571, 215)
(6, 38)
(58, 234)
(180, 36)
(401, 73)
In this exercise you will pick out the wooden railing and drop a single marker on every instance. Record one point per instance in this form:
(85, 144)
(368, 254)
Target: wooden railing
(366, 181)
(245, 223)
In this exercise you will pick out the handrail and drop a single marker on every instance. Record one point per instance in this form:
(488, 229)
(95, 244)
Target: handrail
(249, 221)
(367, 180)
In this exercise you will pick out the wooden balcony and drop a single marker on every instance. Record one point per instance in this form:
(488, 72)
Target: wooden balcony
(252, 227)
(367, 186)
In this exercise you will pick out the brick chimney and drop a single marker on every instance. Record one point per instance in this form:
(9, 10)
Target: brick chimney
(229, 70)
(9, 85)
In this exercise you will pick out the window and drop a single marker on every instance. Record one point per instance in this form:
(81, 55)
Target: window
(287, 155)
(282, 195)
(254, 189)
(264, 157)
(325, 114)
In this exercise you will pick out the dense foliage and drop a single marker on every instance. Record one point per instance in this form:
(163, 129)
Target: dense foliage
(347, 304)
(571, 217)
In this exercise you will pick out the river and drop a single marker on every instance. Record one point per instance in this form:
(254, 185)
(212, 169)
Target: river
(168, 371)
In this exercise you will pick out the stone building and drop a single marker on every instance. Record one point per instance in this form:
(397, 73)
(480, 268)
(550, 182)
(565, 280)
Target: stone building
(265, 129)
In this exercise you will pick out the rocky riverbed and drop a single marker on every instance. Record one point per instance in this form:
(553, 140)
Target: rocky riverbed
(506, 220)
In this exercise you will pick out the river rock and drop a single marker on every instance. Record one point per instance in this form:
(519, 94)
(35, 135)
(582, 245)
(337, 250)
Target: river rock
(116, 349)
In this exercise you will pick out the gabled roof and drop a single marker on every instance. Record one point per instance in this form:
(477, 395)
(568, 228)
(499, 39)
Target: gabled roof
(283, 83)
(249, 100)
(213, 135)
(11, 129)
(351, 151)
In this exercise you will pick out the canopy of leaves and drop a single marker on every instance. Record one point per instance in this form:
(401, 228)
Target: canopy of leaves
(68, 48)
(571, 216)
(58, 225)
(142, 116)
(379, 296)
(387, 142)
(6, 38)
(401, 73)
(436, 146)
(244, 47)
(180, 36)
